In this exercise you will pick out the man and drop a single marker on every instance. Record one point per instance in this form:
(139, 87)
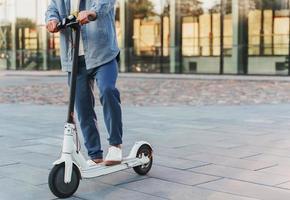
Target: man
(97, 61)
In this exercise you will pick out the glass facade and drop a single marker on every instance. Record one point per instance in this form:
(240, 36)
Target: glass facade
(175, 36)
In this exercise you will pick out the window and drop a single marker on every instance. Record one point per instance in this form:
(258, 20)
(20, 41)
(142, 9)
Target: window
(268, 29)
(201, 28)
(148, 35)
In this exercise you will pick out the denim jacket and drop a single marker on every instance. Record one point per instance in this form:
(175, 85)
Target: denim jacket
(99, 37)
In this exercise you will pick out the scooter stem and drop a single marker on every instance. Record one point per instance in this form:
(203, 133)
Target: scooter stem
(76, 41)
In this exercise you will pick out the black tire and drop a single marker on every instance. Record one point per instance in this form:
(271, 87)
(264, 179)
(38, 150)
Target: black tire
(147, 151)
(56, 181)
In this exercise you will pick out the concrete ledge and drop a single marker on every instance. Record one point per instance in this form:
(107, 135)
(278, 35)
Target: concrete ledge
(158, 76)
(32, 73)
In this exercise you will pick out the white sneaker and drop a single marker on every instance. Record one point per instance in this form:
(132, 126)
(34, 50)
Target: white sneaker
(92, 163)
(114, 156)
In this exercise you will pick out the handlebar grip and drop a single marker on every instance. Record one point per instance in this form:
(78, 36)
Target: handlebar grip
(59, 26)
(92, 18)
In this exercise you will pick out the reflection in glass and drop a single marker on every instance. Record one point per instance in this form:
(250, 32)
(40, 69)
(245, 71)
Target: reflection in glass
(268, 27)
(118, 23)
(150, 22)
(268, 37)
(201, 34)
(201, 28)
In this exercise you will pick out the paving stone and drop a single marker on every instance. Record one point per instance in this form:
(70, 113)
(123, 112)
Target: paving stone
(120, 178)
(22, 132)
(177, 191)
(48, 140)
(283, 160)
(169, 141)
(18, 190)
(264, 140)
(9, 154)
(42, 149)
(74, 198)
(177, 163)
(239, 130)
(244, 175)
(91, 190)
(285, 185)
(282, 170)
(25, 173)
(231, 162)
(179, 176)
(194, 125)
(225, 144)
(260, 121)
(12, 142)
(228, 152)
(45, 187)
(36, 160)
(283, 143)
(266, 150)
(247, 189)
(7, 161)
(178, 153)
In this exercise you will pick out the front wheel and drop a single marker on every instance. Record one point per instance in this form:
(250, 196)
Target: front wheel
(147, 151)
(56, 181)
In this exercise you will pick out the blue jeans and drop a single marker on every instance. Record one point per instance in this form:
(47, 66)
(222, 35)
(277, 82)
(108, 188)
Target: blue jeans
(105, 76)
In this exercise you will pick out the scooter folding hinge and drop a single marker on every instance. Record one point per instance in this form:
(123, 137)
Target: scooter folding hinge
(69, 126)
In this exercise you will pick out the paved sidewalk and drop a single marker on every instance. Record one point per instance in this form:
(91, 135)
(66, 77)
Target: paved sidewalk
(207, 152)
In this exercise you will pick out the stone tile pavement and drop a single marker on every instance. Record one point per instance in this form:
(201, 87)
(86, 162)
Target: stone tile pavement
(222, 152)
(225, 147)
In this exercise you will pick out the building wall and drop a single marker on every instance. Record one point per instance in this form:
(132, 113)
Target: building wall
(257, 65)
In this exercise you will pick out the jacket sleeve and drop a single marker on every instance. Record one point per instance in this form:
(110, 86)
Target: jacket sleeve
(102, 7)
(52, 12)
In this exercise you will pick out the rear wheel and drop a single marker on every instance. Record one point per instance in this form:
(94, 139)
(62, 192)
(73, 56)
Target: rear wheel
(145, 150)
(56, 181)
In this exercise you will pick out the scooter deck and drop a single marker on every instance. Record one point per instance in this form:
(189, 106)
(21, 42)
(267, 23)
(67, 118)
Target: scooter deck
(102, 169)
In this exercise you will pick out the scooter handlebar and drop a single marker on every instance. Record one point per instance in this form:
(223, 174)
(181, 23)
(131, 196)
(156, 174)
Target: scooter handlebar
(70, 21)
(66, 22)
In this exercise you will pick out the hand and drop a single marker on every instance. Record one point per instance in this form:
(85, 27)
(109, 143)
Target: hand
(86, 16)
(52, 26)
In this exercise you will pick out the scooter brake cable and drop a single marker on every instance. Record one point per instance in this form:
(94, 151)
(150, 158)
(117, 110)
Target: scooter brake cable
(78, 143)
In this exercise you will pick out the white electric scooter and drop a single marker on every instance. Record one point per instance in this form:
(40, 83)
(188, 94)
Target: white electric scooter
(65, 176)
